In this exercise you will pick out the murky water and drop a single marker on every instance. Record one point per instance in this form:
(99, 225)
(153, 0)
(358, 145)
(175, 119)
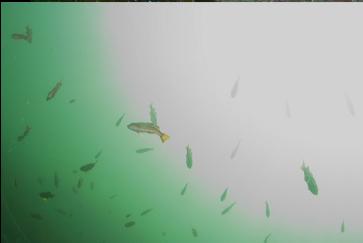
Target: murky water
(226, 104)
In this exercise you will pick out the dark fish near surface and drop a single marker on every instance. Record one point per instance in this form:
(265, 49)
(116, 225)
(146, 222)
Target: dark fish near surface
(120, 120)
(25, 133)
(54, 91)
(267, 209)
(15, 183)
(62, 212)
(234, 89)
(80, 183)
(189, 157)
(227, 209)
(74, 189)
(28, 36)
(224, 195)
(92, 185)
(349, 105)
(342, 227)
(288, 112)
(144, 150)
(98, 154)
(266, 238)
(130, 224)
(87, 167)
(36, 216)
(46, 195)
(56, 179)
(113, 196)
(146, 212)
(128, 215)
(309, 179)
(72, 101)
(184, 189)
(148, 127)
(194, 232)
(234, 152)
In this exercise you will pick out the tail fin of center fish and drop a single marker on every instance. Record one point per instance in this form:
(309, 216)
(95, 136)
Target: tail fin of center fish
(164, 137)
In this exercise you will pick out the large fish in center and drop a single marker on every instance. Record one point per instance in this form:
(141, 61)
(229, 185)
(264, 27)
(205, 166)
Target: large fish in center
(148, 127)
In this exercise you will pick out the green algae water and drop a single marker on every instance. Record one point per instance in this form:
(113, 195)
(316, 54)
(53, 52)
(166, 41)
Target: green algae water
(72, 170)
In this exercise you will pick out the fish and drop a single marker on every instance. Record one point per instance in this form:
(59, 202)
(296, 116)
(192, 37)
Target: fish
(120, 120)
(72, 101)
(36, 216)
(146, 212)
(113, 196)
(87, 167)
(342, 227)
(144, 150)
(153, 116)
(287, 107)
(184, 189)
(92, 185)
(98, 154)
(234, 152)
(224, 195)
(266, 238)
(74, 189)
(267, 209)
(349, 105)
(46, 195)
(28, 36)
(40, 180)
(194, 232)
(130, 224)
(309, 179)
(56, 179)
(147, 127)
(235, 89)
(62, 212)
(189, 157)
(80, 183)
(227, 209)
(128, 215)
(15, 183)
(163, 233)
(54, 91)
(25, 133)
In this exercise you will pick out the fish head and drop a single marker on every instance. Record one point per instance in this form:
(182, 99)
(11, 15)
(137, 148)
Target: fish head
(134, 127)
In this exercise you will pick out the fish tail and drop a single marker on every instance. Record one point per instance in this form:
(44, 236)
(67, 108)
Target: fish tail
(164, 137)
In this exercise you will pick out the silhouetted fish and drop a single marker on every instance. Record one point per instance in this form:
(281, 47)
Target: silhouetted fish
(350, 105)
(194, 232)
(120, 120)
(25, 133)
(184, 189)
(148, 127)
(227, 209)
(146, 212)
(189, 157)
(144, 150)
(130, 224)
(235, 89)
(72, 101)
(266, 238)
(224, 195)
(98, 154)
(234, 152)
(87, 167)
(80, 183)
(46, 195)
(288, 112)
(267, 209)
(54, 91)
(28, 36)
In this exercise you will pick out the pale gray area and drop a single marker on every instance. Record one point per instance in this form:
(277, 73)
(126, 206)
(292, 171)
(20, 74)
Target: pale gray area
(185, 59)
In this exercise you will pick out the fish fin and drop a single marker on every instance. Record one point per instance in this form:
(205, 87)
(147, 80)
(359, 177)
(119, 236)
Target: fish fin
(164, 137)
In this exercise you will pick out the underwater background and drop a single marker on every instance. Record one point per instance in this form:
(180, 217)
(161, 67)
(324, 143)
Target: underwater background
(247, 93)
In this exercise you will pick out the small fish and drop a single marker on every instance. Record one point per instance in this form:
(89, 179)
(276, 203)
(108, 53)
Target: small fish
(235, 89)
(62, 212)
(267, 209)
(288, 112)
(194, 232)
(147, 127)
(113, 196)
(234, 152)
(36, 216)
(40, 180)
(227, 209)
(98, 154)
(56, 179)
(266, 238)
(342, 227)
(184, 189)
(309, 179)
(144, 150)
(130, 224)
(75, 171)
(92, 185)
(72, 101)
(28, 36)
(224, 195)
(80, 183)
(163, 233)
(54, 91)
(46, 195)
(25, 133)
(128, 215)
(349, 105)
(146, 212)
(87, 167)
(189, 157)
(153, 116)
(74, 189)
(120, 120)
(15, 183)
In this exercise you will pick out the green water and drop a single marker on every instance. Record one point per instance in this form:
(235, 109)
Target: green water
(68, 45)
